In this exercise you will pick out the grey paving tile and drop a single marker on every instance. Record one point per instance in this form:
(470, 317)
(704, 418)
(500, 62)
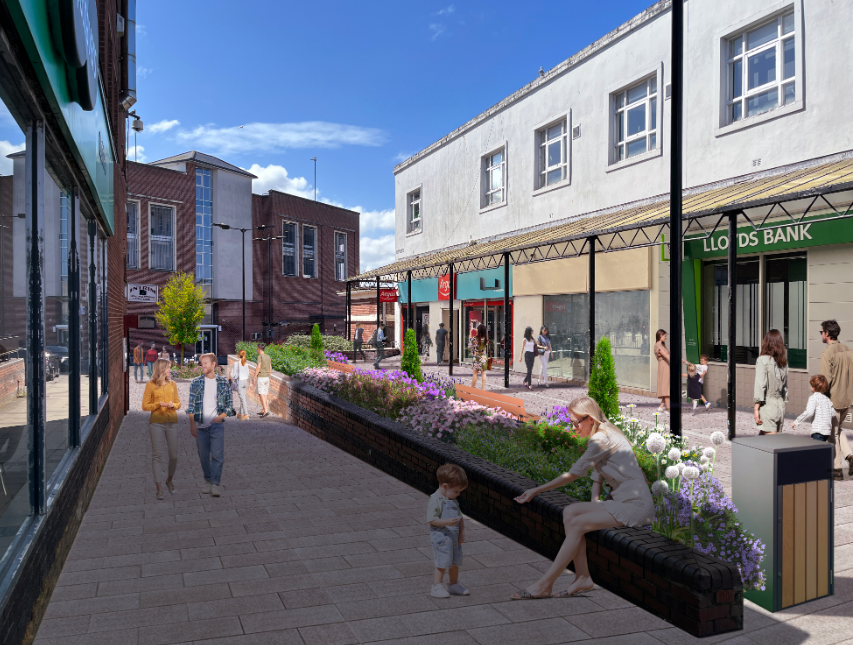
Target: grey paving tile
(254, 558)
(117, 620)
(550, 631)
(273, 585)
(350, 576)
(618, 621)
(234, 606)
(117, 637)
(391, 606)
(183, 632)
(291, 618)
(447, 638)
(89, 606)
(62, 627)
(216, 551)
(138, 585)
(380, 629)
(456, 619)
(74, 592)
(180, 566)
(277, 637)
(99, 575)
(304, 598)
(166, 597)
(332, 634)
(225, 575)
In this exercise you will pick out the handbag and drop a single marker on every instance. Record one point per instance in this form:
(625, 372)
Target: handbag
(234, 386)
(488, 363)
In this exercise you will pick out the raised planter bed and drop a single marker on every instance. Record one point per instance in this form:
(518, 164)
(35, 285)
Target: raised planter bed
(700, 594)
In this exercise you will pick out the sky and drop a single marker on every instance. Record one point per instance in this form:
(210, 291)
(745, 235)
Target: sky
(360, 86)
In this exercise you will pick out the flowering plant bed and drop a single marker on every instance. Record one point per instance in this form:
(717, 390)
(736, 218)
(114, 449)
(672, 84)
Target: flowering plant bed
(287, 359)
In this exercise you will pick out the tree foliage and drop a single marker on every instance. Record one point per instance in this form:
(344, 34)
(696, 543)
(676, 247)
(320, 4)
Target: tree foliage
(602, 380)
(411, 361)
(316, 339)
(181, 310)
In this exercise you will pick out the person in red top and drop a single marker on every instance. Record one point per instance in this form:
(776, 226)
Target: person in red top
(151, 358)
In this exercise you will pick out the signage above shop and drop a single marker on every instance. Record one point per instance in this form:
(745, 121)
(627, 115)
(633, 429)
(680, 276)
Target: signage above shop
(387, 295)
(749, 240)
(74, 25)
(444, 286)
(142, 293)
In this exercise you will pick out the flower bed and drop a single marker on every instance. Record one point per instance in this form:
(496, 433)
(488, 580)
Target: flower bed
(287, 359)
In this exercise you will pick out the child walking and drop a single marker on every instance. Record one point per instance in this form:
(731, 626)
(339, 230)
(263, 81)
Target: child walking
(820, 407)
(695, 377)
(447, 530)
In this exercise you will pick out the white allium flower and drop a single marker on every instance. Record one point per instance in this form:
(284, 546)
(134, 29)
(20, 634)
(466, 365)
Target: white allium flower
(655, 444)
(718, 438)
(680, 466)
(674, 454)
(691, 472)
(672, 472)
(705, 468)
(703, 459)
(659, 487)
(709, 452)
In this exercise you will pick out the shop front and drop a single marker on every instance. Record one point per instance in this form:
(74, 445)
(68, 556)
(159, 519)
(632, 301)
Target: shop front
(481, 294)
(423, 292)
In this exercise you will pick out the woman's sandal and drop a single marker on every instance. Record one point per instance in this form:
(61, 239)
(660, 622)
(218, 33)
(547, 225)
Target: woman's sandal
(565, 594)
(526, 595)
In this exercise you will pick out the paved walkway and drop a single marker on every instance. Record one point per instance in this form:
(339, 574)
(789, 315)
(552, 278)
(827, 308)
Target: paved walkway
(310, 546)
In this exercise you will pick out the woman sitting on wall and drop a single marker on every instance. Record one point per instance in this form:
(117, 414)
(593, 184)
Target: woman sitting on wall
(630, 503)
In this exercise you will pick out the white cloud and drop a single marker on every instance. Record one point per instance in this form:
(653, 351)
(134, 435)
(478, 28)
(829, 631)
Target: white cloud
(437, 29)
(6, 148)
(162, 126)
(376, 251)
(375, 221)
(132, 153)
(400, 157)
(276, 178)
(446, 11)
(276, 137)
(141, 29)
(144, 72)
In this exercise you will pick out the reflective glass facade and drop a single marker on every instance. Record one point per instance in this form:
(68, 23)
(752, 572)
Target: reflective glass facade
(203, 227)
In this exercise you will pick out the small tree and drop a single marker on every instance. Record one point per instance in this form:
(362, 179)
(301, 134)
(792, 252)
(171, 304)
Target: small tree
(316, 339)
(411, 361)
(181, 310)
(602, 379)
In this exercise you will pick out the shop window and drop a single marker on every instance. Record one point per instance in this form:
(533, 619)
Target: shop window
(288, 248)
(715, 297)
(340, 256)
(413, 212)
(785, 303)
(494, 166)
(203, 227)
(162, 240)
(635, 122)
(309, 252)
(133, 235)
(621, 316)
(761, 68)
(553, 154)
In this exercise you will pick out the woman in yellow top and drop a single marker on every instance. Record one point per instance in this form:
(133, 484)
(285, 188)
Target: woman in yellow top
(161, 400)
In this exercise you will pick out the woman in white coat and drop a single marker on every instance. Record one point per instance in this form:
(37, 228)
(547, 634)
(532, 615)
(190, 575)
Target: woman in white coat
(240, 376)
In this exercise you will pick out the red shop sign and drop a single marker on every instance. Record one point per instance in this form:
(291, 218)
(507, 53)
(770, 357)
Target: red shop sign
(444, 286)
(387, 295)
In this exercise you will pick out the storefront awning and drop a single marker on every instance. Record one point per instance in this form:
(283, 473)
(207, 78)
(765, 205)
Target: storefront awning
(770, 199)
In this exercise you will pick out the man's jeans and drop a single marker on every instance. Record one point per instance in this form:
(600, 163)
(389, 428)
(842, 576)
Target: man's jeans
(150, 365)
(211, 451)
(380, 354)
(439, 352)
(138, 371)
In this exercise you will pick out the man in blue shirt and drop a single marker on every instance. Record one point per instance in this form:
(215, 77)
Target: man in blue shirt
(380, 347)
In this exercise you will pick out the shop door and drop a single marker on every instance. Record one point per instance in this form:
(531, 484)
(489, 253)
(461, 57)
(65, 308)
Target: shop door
(207, 342)
(445, 318)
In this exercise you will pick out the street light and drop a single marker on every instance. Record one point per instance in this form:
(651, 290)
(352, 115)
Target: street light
(314, 159)
(228, 227)
(268, 240)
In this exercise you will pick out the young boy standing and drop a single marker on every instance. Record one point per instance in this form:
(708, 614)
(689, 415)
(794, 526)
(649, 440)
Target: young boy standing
(701, 370)
(820, 408)
(210, 403)
(447, 530)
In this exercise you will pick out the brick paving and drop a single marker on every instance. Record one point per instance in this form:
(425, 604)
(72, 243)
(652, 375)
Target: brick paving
(308, 545)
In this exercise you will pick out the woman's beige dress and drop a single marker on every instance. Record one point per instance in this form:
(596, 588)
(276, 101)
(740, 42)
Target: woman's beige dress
(662, 354)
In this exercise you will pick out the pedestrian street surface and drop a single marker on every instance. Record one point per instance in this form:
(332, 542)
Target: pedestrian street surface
(310, 546)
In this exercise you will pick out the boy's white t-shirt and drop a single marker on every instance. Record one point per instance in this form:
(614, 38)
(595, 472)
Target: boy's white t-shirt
(701, 370)
(208, 406)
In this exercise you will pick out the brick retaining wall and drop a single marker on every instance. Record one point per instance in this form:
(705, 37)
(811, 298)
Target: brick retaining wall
(700, 594)
(11, 373)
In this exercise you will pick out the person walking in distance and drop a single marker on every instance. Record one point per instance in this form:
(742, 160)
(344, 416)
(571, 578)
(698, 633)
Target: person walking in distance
(380, 346)
(161, 400)
(478, 348)
(836, 364)
(262, 379)
(358, 342)
(819, 409)
(529, 349)
(138, 363)
(544, 342)
(240, 378)
(150, 357)
(440, 339)
(210, 403)
(165, 355)
(662, 354)
(771, 384)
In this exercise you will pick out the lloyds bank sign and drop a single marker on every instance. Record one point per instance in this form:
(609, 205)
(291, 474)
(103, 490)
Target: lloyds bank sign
(750, 240)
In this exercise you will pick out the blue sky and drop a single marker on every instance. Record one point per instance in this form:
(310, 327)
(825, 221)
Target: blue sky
(361, 86)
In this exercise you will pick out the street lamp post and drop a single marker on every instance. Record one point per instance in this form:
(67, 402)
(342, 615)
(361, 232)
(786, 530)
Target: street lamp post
(226, 227)
(268, 240)
(314, 159)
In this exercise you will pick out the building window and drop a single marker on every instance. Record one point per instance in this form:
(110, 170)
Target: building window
(132, 235)
(785, 303)
(203, 228)
(495, 191)
(635, 125)
(309, 252)
(413, 221)
(63, 241)
(715, 292)
(761, 68)
(553, 154)
(162, 238)
(340, 256)
(288, 249)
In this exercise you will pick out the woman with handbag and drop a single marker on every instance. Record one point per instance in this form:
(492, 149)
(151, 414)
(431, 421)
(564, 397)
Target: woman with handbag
(161, 400)
(529, 351)
(240, 382)
(544, 342)
(478, 347)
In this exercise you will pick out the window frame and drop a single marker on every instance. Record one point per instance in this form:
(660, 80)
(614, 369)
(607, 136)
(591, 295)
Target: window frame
(619, 109)
(420, 202)
(542, 144)
(137, 236)
(296, 249)
(315, 251)
(485, 179)
(722, 39)
(174, 237)
(200, 172)
(338, 256)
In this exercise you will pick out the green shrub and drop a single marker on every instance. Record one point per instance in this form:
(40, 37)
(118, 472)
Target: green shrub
(285, 358)
(316, 339)
(411, 361)
(330, 343)
(602, 380)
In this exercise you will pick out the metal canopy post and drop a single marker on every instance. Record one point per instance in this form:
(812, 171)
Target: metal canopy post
(73, 324)
(507, 319)
(378, 306)
(675, 250)
(731, 393)
(450, 354)
(349, 310)
(592, 241)
(410, 317)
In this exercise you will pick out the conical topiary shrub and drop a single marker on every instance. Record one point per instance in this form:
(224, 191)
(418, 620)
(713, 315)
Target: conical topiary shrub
(602, 379)
(316, 339)
(411, 361)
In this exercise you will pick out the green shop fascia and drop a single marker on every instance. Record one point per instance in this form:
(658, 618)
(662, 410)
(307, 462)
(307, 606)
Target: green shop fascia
(772, 288)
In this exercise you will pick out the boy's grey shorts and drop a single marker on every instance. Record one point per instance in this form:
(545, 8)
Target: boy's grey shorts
(445, 548)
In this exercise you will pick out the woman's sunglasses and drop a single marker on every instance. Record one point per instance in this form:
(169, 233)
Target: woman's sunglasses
(576, 424)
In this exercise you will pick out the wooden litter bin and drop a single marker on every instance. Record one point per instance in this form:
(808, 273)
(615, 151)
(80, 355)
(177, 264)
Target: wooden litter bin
(783, 489)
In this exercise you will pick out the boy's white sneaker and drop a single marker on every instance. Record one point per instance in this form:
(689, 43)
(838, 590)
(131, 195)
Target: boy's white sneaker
(707, 405)
(458, 590)
(438, 591)
(214, 491)
(206, 489)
